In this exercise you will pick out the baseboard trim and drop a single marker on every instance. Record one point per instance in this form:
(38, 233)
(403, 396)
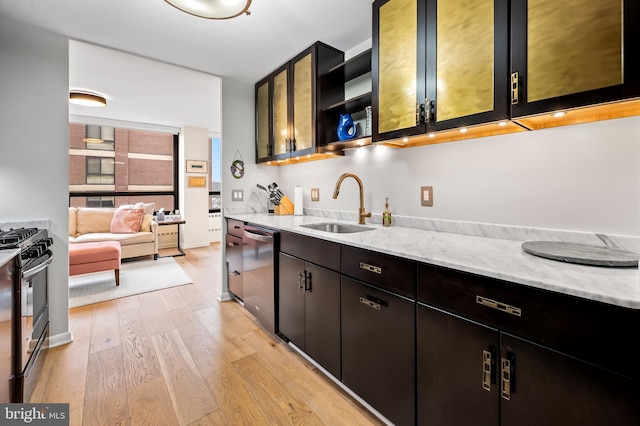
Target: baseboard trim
(225, 297)
(60, 339)
(196, 245)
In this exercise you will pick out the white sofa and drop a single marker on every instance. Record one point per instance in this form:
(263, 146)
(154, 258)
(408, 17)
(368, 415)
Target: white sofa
(88, 224)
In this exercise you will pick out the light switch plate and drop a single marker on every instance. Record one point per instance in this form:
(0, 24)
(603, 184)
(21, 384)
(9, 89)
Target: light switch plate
(237, 195)
(315, 194)
(426, 196)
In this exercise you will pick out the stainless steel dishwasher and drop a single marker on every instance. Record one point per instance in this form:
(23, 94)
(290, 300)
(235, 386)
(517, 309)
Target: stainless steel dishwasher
(260, 269)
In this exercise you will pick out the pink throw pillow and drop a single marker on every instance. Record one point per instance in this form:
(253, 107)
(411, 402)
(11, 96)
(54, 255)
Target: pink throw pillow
(126, 221)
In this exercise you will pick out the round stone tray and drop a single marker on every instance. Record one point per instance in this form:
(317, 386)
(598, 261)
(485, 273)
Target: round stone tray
(582, 254)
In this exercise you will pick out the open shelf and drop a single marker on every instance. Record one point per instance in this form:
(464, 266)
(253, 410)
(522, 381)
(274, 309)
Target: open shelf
(338, 146)
(351, 105)
(351, 68)
(338, 82)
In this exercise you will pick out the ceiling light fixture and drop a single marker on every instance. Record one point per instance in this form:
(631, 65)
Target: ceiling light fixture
(87, 99)
(213, 9)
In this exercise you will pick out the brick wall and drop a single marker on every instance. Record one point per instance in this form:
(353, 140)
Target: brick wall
(128, 171)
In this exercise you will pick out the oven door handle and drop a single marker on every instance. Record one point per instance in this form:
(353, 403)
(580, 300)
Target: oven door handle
(40, 267)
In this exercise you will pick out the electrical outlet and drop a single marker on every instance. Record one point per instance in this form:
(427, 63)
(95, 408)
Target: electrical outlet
(237, 195)
(315, 194)
(426, 196)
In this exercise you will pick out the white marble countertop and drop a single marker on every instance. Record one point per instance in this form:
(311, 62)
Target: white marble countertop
(497, 258)
(7, 255)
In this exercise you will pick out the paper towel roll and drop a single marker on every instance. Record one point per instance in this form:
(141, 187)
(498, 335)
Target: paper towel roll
(297, 201)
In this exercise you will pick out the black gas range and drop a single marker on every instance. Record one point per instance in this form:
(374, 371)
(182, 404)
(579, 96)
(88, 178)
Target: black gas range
(32, 242)
(24, 310)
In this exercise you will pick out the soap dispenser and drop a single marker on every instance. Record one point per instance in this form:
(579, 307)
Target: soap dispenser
(386, 214)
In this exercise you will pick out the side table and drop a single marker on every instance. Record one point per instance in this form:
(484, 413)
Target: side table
(173, 222)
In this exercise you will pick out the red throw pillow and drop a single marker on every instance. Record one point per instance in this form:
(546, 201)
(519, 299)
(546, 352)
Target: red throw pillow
(126, 221)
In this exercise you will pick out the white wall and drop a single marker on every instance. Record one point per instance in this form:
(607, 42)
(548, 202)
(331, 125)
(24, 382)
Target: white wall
(584, 177)
(34, 145)
(194, 201)
(239, 139)
(144, 91)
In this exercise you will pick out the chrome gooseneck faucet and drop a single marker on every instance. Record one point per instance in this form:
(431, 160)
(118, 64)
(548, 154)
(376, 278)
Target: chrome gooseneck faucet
(361, 213)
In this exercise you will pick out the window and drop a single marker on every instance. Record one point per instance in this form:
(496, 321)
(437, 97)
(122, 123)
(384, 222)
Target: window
(100, 171)
(110, 166)
(100, 202)
(100, 138)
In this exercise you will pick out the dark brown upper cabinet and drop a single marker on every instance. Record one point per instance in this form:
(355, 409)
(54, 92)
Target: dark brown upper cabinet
(398, 68)
(286, 105)
(438, 65)
(467, 63)
(446, 70)
(264, 124)
(572, 54)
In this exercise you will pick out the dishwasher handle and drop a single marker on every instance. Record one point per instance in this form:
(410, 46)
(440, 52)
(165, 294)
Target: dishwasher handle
(264, 238)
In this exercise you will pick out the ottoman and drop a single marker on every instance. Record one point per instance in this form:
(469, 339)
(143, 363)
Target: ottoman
(95, 257)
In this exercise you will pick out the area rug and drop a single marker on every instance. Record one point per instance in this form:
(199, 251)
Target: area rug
(136, 277)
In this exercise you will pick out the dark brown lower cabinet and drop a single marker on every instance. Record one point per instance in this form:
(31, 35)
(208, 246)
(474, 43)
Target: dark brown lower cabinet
(469, 373)
(451, 379)
(309, 310)
(378, 349)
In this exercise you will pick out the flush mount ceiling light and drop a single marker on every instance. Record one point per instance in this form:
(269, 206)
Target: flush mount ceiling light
(87, 99)
(213, 9)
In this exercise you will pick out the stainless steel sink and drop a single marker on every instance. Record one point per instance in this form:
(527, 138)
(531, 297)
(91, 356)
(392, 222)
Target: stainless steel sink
(338, 228)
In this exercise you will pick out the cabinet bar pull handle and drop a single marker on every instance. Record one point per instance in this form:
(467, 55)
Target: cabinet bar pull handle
(300, 280)
(486, 370)
(232, 244)
(427, 110)
(306, 282)
(371, 268)
(370, 303)
(506, 379)
(508, 375)
(374, 302)
(499, 306)
(514, 88)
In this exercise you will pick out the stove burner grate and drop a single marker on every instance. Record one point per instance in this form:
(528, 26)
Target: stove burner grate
(14, 236)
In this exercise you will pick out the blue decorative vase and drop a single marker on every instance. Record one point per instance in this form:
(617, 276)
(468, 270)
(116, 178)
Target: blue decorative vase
(346, 128)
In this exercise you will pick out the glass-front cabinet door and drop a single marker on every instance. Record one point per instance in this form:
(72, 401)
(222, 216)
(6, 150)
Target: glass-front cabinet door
(264, 144)
(398, 68)
(573, 53)
(467, 62)
(281, 111)
(303, 92)
(288, 98)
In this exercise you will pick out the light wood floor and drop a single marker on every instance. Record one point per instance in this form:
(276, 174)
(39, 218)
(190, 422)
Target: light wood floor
(179, 357)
